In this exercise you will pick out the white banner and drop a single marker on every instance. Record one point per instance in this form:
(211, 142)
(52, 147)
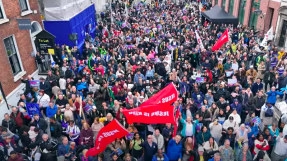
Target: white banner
(267, 36)
(199, 40)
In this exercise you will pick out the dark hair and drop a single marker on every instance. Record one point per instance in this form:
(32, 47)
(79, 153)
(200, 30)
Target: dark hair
(53, 118)
(4, 129)
(230, 128)
(13, 152)
(202, 128)
(101, 155)
(36, 129)
(258, 135)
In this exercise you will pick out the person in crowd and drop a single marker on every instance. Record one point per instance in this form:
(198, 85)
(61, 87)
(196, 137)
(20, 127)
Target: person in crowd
(136, 149)
(9, 123)
(149, 147)
(55, 129)
(243, 132)
(280, 149)
(73, 132)
(43, 101)
(96, 127)
(188, 127)
(226, 152)
(51, 110)
(203, 136)
(210, 147)
(244, 153)
(189, 145)
(160, 155)
(215, 130)
(261, 144)
(267, 114)
(38, 122)
(174, 149)
(158, 139)
(87, 135)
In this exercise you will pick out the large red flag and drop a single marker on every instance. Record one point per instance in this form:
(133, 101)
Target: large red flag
(168, 95)
(223, 39)
(107, 135)
(152, 114)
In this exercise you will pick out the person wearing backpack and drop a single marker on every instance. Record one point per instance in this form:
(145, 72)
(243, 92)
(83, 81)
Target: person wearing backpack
(267, 113)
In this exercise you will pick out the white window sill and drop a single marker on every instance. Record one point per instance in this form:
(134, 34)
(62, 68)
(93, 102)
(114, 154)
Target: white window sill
(2, 21)
(25, 13)
(19, 76)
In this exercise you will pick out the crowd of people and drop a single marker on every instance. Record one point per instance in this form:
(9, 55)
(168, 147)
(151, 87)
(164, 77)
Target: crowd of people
(131, 58)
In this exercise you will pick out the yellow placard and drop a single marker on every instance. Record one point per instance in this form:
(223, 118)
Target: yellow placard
(51, 51)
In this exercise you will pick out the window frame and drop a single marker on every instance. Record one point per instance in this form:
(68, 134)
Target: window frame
(25, 1)
(25, 12)
(2, 11)
(22, 72)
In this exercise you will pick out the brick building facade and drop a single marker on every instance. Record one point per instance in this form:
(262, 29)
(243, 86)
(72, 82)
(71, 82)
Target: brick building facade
(244, 10)
(17, 46)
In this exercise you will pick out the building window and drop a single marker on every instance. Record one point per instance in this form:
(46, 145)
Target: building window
(1, 14)
(231, 6)
(12, 55)
(23, 5)
(253, 16)
(223, 4)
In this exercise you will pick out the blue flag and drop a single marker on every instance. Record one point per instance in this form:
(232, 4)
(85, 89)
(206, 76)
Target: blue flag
(33, 108)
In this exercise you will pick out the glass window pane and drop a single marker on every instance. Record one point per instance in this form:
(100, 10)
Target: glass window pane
(13, 56)
(23, 5)
(1, 14)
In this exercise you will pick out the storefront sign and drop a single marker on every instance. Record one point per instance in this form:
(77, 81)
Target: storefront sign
(24, 24)
(45, 45)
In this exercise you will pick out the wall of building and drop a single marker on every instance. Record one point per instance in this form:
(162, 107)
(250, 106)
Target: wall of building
(23, 41)
(265, 6)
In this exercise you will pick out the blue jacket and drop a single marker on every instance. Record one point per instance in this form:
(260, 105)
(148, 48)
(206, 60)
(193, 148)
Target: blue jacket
(149, 73)
(238, 107)
(254, 131)
(149, 151)
(272, 96)
(164, 155)
(174, 151)
(184, 87)
(136, 78)
(212, 159)
(51, 111)
(194, 95)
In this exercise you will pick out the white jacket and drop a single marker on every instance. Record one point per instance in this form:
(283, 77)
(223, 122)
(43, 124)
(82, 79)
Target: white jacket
(236, 117)
(62, 83)
(228, 124)
(43, 100)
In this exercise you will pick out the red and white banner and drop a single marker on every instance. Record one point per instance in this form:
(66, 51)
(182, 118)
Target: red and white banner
(223, 39)
(168, 95)
(107, 135)
(152, 114)
(199, 41)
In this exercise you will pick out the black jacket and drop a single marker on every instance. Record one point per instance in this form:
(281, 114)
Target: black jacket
(41, 123)
(56, 129)
(46, 86)
(10, 124)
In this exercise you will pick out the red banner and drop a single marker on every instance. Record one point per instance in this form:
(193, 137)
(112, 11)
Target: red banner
(175, 123)
(223, 39)
(153, 114)
(168, 95)
(107, 135)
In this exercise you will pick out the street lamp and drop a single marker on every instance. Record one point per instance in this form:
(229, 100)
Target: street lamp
(262, 16)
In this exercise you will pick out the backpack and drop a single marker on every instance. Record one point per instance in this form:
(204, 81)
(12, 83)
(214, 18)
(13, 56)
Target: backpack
(269, 112)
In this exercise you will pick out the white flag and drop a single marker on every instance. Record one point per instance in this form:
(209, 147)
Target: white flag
(267, 36)
(199, 41)
(52, 61)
